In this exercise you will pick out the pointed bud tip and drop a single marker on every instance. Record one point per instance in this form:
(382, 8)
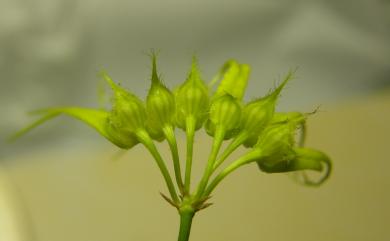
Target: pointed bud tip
(155, 78)
(274, 95)
(115, 87)
(194, 61)
(107, 78)
(194, 72)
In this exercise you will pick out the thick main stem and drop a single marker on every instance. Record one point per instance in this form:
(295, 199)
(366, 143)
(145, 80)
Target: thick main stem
(186, 217)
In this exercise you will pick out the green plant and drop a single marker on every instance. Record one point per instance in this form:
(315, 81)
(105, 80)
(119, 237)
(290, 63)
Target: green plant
(268, 135)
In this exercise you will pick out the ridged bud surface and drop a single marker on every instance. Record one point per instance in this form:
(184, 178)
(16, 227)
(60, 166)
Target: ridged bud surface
(276, 143)
(128, 112)
(119, 138)
(224, 111)
(160, 103)
(192, 99)
(258, 114)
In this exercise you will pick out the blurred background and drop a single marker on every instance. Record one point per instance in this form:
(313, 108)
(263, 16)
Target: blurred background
(61, 182)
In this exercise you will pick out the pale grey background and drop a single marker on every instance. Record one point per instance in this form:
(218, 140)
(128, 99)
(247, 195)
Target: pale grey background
(51, 51)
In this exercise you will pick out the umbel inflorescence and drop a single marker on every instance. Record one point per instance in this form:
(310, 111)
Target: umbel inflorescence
(270, 137)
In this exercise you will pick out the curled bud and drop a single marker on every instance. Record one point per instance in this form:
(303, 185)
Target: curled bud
(128, 113)
(304, 159)
(258, 114)
(278, 154)
(160, 105)
(192, 99)
(234, 79)
(226, 112)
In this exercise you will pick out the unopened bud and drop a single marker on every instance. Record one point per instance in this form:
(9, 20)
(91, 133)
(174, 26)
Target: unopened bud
(97, 119)
(192, 99)
(160, 104)
(226, 112)
(120, 139)
(276, 143)
(128, 113)
(259, 113)
(303, 159)
(234, 79)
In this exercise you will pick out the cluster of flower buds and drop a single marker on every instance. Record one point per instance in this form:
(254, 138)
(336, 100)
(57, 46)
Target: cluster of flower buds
(269, 135)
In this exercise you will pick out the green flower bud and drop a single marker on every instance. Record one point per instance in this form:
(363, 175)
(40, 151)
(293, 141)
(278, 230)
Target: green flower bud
(128, 113)
(160, 105)
(97, 119)
(303, 159)
(155, 132)
(120, 139)
(234, 81)
(192, 99)
(255, 117)
(276, 143)
(226, 112)
(258, 114)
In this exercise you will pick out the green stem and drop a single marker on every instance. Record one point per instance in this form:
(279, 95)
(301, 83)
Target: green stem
(218, 139)
(186, 217)
(170, 135)
(234, 144)
(190, 132)
(250, 156)
(147, 141)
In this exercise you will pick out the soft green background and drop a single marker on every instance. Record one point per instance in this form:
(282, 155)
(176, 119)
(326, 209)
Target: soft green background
(60, 182)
